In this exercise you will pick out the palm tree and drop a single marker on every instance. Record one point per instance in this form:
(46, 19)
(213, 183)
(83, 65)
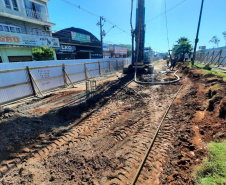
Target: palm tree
(224, 34)
(215, 40)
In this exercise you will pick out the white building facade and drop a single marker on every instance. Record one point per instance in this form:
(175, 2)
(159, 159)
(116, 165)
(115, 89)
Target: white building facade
(24, 24)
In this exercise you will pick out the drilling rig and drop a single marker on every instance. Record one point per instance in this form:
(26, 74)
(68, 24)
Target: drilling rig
(139, 61)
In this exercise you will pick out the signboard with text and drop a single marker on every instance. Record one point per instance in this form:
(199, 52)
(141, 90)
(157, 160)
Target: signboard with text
(80, 37)
(67, 48)
(120, 50)
(106, 47)
(27, 40)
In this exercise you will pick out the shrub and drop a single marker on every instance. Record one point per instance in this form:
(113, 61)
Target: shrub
(43, 53)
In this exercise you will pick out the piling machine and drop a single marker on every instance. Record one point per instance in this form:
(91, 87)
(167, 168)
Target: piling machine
(139, 60)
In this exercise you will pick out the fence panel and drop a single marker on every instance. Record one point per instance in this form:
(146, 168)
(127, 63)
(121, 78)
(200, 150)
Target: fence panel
(48, 78)
(214, 57)
(75, 72)
(14, 85)
(48, 75)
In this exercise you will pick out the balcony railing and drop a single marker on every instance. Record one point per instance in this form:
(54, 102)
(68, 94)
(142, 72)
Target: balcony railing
(27, 13)
(36, 15)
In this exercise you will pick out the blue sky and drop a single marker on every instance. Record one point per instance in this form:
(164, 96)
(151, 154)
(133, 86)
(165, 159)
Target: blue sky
(182, 20)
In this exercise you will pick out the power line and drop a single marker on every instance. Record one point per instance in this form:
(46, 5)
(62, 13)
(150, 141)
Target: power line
(157, 15)
(79, 7)
(167, 31)
(165, 12)
(93, 14)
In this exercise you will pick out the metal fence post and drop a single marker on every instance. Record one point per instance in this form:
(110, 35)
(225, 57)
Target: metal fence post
(31, 82)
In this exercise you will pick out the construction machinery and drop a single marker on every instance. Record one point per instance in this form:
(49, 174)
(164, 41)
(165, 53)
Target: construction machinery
(139, 60)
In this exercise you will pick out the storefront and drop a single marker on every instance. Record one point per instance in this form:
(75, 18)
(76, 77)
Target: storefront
(15, 47)
(77, 43)
(107, 52)
(118, 51)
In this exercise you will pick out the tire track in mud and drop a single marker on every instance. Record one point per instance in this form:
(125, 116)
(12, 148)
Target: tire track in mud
(47, 145)
(110, 143)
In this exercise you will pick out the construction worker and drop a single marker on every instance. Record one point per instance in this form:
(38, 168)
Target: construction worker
(173, 64)
(186, 57)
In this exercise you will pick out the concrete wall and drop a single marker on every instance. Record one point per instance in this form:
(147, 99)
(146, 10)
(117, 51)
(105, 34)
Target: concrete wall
(21, 7)
(17, 51)
(5, 52)
(25, 27)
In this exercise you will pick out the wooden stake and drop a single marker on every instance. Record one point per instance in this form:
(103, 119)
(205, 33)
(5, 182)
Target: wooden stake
(31, 82)
(36, 84)
(64, 75)
(99, 67)
(85, 71)
(68, 78)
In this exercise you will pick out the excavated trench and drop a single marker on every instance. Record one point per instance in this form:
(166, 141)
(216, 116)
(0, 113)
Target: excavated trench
(103, 140)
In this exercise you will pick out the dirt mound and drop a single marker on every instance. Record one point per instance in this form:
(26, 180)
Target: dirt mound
(200, 118)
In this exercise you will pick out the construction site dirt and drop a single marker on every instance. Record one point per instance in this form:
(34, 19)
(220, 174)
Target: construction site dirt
(65, 138)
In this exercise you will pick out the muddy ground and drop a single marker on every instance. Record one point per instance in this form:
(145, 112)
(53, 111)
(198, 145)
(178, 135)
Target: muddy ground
(65, 139)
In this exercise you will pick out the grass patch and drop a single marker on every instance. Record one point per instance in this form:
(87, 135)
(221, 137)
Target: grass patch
(214, 71)
(216, 87)
(213, 169)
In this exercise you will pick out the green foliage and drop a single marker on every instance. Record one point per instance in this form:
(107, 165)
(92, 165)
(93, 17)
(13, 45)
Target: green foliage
(129, 53)
(128, 46)
(214, 40)
(183, 46)
(213, 169)
(43, 53)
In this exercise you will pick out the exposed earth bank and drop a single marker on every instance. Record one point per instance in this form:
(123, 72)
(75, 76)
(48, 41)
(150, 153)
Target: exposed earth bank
(103, 140)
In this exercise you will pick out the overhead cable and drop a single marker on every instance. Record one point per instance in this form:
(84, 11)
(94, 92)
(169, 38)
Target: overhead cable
(93, 14)
(165, 11)
(167, 31)
(157, 15)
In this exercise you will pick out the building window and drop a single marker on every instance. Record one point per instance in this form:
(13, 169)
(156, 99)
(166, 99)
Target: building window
(8, 4)
(11, 4)
(12, 29)
(35, 10)
(1, 28)
(20, 58)
(9, 28)
(36, 31)
(18, 30)
(6, 28)
(15, 5)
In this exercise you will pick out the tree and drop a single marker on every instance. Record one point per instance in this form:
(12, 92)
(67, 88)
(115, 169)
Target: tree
(224, 34)
(43, 53)
(182, 47)
(215, 40)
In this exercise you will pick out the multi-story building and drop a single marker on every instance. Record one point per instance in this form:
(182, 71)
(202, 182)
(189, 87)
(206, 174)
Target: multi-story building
(24, 24)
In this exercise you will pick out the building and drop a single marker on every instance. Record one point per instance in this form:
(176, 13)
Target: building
(24, 24)
(118, 51)
(76, 43)
(114, 51)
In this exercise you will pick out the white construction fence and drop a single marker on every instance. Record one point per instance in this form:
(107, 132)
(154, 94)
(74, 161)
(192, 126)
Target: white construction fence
(24, 79)
(216, 57)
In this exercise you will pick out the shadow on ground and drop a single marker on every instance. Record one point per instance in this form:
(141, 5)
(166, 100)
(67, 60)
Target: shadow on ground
(19, 132)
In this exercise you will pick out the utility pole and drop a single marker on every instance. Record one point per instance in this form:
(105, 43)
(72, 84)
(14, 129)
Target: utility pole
(100, 23)
(197, 35)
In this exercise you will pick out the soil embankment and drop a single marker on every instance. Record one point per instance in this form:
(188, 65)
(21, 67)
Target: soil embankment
(58, 140)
